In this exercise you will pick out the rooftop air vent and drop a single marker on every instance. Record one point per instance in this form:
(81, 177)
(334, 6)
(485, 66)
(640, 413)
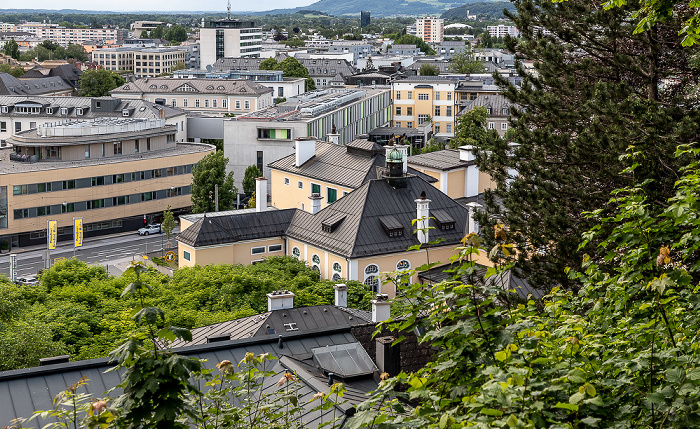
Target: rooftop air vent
(329, 225)
(444, 220)
(391, 225)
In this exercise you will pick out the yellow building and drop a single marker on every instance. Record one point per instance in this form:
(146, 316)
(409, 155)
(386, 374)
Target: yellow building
(421, 99)
(112, 172)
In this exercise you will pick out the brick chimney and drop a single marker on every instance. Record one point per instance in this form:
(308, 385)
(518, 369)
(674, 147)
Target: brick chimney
(305, 149)
(260, 194)
(280, 300)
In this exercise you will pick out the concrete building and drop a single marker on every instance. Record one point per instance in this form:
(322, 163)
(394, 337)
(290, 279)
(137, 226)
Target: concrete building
(422, 98)
(229, 38)
(143, 62)
(65, 36)
(266, 135)
(410, 50)
(139, 27)
(469, 90)
(208, 97)
(112, 172)
(386, 61)
(22, 113)
(501, 30)
(357, 48)
(430, 29)
(448, 49)
(282, 87)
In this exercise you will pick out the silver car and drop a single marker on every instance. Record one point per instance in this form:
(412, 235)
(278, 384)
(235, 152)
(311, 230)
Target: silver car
(150, 229)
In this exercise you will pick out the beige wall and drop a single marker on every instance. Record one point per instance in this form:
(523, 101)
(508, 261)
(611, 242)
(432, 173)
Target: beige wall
(455, 183)
(233, 253)
(292, 196)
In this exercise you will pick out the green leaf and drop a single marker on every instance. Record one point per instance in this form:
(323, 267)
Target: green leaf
(590, 421)
(512, 421)
(501, 356)
(491, 412)
(570, 407)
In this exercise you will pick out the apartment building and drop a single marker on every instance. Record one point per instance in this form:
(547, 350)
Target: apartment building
(65, 36)
(228, 38)
(143, 62)
(497, 108)
(357, 48)
(430, 29)
(421, 99)
(209, 97)
(339, 114)
(282, 87)
(112, 172)
(50, 85)
(501, 30)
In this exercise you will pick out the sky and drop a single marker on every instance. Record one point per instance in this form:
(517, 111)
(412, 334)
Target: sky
(157, 5)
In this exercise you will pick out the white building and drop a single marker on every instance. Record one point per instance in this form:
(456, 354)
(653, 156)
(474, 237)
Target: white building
(502, 31)
(227, 38)
(430, 29)
(65, 36)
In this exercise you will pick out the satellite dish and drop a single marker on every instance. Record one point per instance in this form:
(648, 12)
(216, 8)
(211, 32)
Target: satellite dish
(209, 68)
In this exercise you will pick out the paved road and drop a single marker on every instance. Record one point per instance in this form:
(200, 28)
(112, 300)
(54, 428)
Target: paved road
(100, 250)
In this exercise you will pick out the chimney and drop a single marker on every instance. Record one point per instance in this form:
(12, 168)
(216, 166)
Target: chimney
(403, 148)
(305, 149)
(280, 300)
(466, 153)
(341, 294)
(473, 224)
(260, 194)
(388, 356)
(423, 218)
(315, 203)
(334, 138)
(381, 308)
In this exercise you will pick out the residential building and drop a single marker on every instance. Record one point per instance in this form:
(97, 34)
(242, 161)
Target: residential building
(65, 36)
(442, 65)
(365, 18)
(209, 97)
(371, 77)
(68, 72)
(143, 62)
(357, 48)
(497, 56)
(501, 30)
(415, 138)
(322, 71)
(50, 85)
(265, 135)
(410, 50)
(468, 91)
(430, 29)
(282, 87)
(379, 61)
(448, 49)
(112, 172)
(421, 99)
(229, 38)
(497, 108)
(22, 113)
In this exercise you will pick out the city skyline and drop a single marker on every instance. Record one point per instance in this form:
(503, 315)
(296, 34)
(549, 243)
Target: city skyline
(100, 6)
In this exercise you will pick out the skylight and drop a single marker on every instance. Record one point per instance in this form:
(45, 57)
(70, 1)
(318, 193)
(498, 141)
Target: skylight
(344, 360)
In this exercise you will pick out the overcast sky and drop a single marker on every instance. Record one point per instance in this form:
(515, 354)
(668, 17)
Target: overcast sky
(157, 5)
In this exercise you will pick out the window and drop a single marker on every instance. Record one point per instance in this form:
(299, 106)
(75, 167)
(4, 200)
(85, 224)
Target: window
(184, 102)
(409, 124)
(423, 97)
(98, 181)
(186, 255)
(409, 111)
(32, 125)
(371, 269)
(488, 110)
(437, 96)
(260, 160)
(206, 103)
(18, 127)
(67, 208)
(315, 259)
(214, 103)
(173, 102)
(504, 126)
(257, 250)
(3, 127)
(331, 195)
(87, 151)
(337, 277)
(136, 146)
(398, 110)
(437, 111)
(78, 110)
(246, 105)
(449, 96)
(296, 252)
(505, 111)
(403, 265)
(274, 248)
(398, 95)
(448, 111)
(398, 124)
(422, 118)
(448, 128)
(117, 148)
(337, 267)
(373, 283)
(286, 180)
(268, 133)
(410, 95)
(148, 144)
(300, 184)
(224, 103)
(196, 102)
(492, 125)
(280, 92)
(315, 189)
(437, 128)
(238, 104)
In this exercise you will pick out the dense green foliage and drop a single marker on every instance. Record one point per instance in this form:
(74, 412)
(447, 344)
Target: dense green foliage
(209, 172)
(12, 49)
(428, 70)
(407, 39)
(77, 308)
(98, 83)
(464, 63)
(251, 173)
(291, 68)
(14, 71)
(48, 50)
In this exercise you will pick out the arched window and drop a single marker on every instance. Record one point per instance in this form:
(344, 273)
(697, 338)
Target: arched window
(403, 265)
(371, 269)
(296, 252)
(337, 277)
(373, 283)
(316, 268)
(337, 267)
(315, 259)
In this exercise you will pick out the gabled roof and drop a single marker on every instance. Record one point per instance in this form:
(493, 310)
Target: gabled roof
(10, 85)
(138, 108)
(213, 230)
(204, 86)
(497, 102)
(361, 233)
(447, 159)
(320, 67)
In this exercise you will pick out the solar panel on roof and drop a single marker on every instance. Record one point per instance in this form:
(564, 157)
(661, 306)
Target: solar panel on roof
(344, 360)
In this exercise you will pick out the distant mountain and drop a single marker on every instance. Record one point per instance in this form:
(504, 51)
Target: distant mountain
(494, 9)
(382, 8)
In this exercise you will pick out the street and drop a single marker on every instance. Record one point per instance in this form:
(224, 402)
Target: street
(99, 250)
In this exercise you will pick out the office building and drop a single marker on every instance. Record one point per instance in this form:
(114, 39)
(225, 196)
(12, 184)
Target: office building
(228, 38)
(143, 62)
(364, 18)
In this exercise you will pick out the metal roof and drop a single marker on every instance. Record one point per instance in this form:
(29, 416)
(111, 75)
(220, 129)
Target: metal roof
(240, 87)
(446, 159)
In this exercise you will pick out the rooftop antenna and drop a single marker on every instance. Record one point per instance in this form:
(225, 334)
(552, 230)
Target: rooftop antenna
(229, 9)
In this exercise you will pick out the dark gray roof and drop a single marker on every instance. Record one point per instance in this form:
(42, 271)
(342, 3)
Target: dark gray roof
(26, 390)
(317, 67)
(211, 230)
(241, 87)
(68, 72)
(361, 233)
(442, 65)
(508, 281)
(10, 85)
(447, 159)
(348, 165)
(495, 101)
(272, 323)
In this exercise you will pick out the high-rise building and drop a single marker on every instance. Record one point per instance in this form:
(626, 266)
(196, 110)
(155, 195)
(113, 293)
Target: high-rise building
(227, 38)
(430, 29)
(364, 18)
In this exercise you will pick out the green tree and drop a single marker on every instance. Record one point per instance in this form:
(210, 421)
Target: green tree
(168, 224)
(407, 39)
(268, 64)
(76, 51)
(50, 45)
(291, 68)
(471, 129)
(157, 33)
(369, 65)
(428, 70)
(176, 34)
(251, 201)
(464, 62)
(251, 173)
(98, 83)
(574, 123)
(14, 71)
(180, 65)
(12, 49)
(208, 173)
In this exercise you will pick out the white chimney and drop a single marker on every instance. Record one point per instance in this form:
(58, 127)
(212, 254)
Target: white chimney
(466, 153)
(512, 172)
(315, 203)
(403, 148)
(334, 138)
(423, 218)
(473, 224)
(341, 294)
(260, 194)
(280, 300)
(381, 308)
(305, 149)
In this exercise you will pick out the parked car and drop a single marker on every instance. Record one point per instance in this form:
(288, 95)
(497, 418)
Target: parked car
(28, 280)
(150, 229)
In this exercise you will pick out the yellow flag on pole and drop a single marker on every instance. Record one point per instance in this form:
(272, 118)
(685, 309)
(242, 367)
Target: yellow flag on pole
(78, 232)
(52, 233)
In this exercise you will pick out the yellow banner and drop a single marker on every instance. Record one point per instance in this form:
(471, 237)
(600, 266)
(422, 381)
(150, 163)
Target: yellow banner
(78, 232)
(52, 233)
